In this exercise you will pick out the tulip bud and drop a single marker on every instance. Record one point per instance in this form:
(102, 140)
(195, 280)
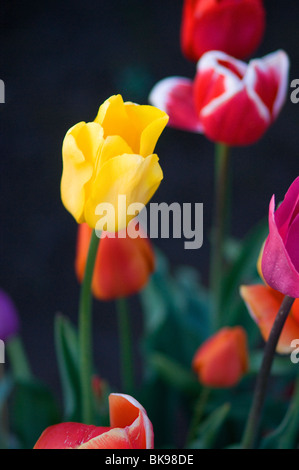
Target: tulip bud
(123, 264)
(222, 360)
(280, 258)
(232, 26)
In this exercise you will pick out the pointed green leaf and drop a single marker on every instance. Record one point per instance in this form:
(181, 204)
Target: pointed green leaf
(209, 430)
(33, 409)
(287, 434)
(174, 374)
(67, 352)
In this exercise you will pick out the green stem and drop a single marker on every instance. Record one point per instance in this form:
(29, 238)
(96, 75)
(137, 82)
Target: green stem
(18, 359)
(126, 358)
(254, 417)
(219, 227)
(85, 333)
(198, 413)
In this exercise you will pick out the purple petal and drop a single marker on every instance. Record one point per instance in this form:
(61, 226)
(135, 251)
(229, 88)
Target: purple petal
(9, 318)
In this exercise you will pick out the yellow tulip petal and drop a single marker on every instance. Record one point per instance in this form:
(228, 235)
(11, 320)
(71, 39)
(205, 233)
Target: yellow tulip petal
(113, 146)
(113, 117)
(128, 175)
(89, 140)
(76, 172)
(151, 122)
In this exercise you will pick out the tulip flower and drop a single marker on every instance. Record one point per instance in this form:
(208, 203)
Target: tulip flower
(229, 101)
(232, 26)
(9, 317)
(222, 359)
(130, 428)
(263, 303)
(111, 157)
(123, 264)
(280, 257)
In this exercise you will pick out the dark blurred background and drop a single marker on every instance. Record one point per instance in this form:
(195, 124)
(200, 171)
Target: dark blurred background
(60, 61)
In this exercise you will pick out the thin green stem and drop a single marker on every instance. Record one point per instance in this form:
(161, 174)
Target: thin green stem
(126, 357)
(85, 333)
(18, 359)
(198, 413)
(251, 429)
(222, 189)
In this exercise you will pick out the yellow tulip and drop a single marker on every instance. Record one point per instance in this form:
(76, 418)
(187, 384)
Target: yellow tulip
(112, 157)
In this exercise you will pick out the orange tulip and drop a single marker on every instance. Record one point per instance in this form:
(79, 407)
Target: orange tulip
(222, 360)
(122, 266)
(263, 304)
(130, 428)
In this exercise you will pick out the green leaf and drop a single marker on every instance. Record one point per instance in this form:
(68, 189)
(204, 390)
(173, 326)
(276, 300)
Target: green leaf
(67, 352)
(6, 385)
(243, 270)
(282, 365)
(33, 409)
(286, 435)
(174, 374)
(177, 313)
(209, 430)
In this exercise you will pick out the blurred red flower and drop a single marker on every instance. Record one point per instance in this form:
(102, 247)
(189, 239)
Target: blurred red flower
(232, 26)
(123, 264)
(222, 359)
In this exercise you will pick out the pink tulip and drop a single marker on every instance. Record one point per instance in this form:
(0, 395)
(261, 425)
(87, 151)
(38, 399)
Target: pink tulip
(229, 101)
(280, 258)
(130, 428)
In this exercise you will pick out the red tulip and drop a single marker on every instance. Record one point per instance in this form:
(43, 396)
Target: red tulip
(232, 26)
(229, 101)
(122, 266)
(222, 360)
(130, 428)
(280, 258)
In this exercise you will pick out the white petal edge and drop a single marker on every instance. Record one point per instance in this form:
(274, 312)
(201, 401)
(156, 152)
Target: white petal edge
(147, 423)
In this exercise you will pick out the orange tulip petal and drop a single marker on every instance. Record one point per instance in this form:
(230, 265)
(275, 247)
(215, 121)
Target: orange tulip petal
(123, 264)
(222, 359)
(126, 411)
(263, 304)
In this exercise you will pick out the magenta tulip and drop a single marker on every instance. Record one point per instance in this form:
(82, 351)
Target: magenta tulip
(280, 259)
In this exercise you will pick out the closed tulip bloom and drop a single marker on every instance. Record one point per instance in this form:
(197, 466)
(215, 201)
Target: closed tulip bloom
(280, 257)
(9, 317)
(130, 428)
(222, 360)
(123, 264)
(109, 157)
(229, 101)
(263, 304)
(232, 26)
